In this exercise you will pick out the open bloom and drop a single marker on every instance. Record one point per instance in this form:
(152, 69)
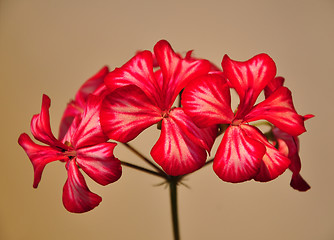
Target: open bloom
(83, 146)
(244, 152)
(142, 96)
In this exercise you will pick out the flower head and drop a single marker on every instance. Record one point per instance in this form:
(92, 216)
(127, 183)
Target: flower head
(82, 146)
(142, 94)
(244, 152)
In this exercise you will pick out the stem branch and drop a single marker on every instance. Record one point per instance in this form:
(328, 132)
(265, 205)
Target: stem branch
(162, 173)
(142, 169)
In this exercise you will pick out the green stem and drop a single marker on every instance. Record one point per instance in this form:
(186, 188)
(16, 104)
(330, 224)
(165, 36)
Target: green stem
(173, 181)
(142, 169)
(144, 158)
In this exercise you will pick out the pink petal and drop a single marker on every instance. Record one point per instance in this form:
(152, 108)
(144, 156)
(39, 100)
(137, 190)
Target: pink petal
(99, 163)
(279, 110)
(77, 198)
(207, 101)
(139, 72)
(181, 147)
(273, 85)
(93, 85)
(126, 112)
(273, 162)
(39, 156)
(250, 77)
(40, 126)
(89, 131)
(177, 72)
(238, 157)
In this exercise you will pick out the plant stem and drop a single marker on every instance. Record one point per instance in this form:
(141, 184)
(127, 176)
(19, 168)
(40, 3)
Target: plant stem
(173, 181)
(142, 169)
(145, 159)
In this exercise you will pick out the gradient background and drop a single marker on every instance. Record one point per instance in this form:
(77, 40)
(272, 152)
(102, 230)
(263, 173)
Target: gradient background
(52, 47)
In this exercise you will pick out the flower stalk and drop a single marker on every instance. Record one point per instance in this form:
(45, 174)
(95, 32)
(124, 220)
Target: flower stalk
(173, 182)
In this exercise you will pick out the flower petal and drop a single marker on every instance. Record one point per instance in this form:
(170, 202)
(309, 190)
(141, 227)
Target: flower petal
(298, 183)
(208, 101)
(238, 157)
(177, 72)
(99, 163)
(273, 85)
(137, 71)
(40, 126)
(95, 83)
(89, 131)
(77, 198)
(90, 86)
(181, 147)
(249, 78)
(273, 162)
(289, 147)
(71, 111)
(279, 110)
(126, 112)
(39, 156)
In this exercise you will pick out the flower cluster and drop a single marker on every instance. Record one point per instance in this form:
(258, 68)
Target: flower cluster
(120, 104)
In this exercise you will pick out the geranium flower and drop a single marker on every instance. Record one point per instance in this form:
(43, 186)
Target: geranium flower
(288, 145)
(141, 97)
(244, 152)
(84, 146)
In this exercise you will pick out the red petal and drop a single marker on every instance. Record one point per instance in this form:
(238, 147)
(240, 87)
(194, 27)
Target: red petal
(273, 162)
(139, 72)
(40, 126)
(207, 101)
(177, 72)
(273, 85)
(279, 110)
(39, 156)
(72, 129)
(90, 86)
(71, 111)
(298, 183)
(99, 163)
(181, 147)
(249, 77)
(289, 147)
(77, 198)
(213, 67)
(89, 131)
(94, 84)
(126, 112)
(238, 157)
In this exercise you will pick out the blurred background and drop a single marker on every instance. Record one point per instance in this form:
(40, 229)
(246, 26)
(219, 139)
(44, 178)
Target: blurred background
(53, 46)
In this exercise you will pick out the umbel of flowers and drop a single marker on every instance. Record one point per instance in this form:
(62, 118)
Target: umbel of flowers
(115, 107)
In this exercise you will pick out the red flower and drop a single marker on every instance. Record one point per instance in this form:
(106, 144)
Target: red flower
(244, 152)
(84, 145)
(141, 97)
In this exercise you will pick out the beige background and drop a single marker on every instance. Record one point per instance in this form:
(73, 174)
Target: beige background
(52, 47)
